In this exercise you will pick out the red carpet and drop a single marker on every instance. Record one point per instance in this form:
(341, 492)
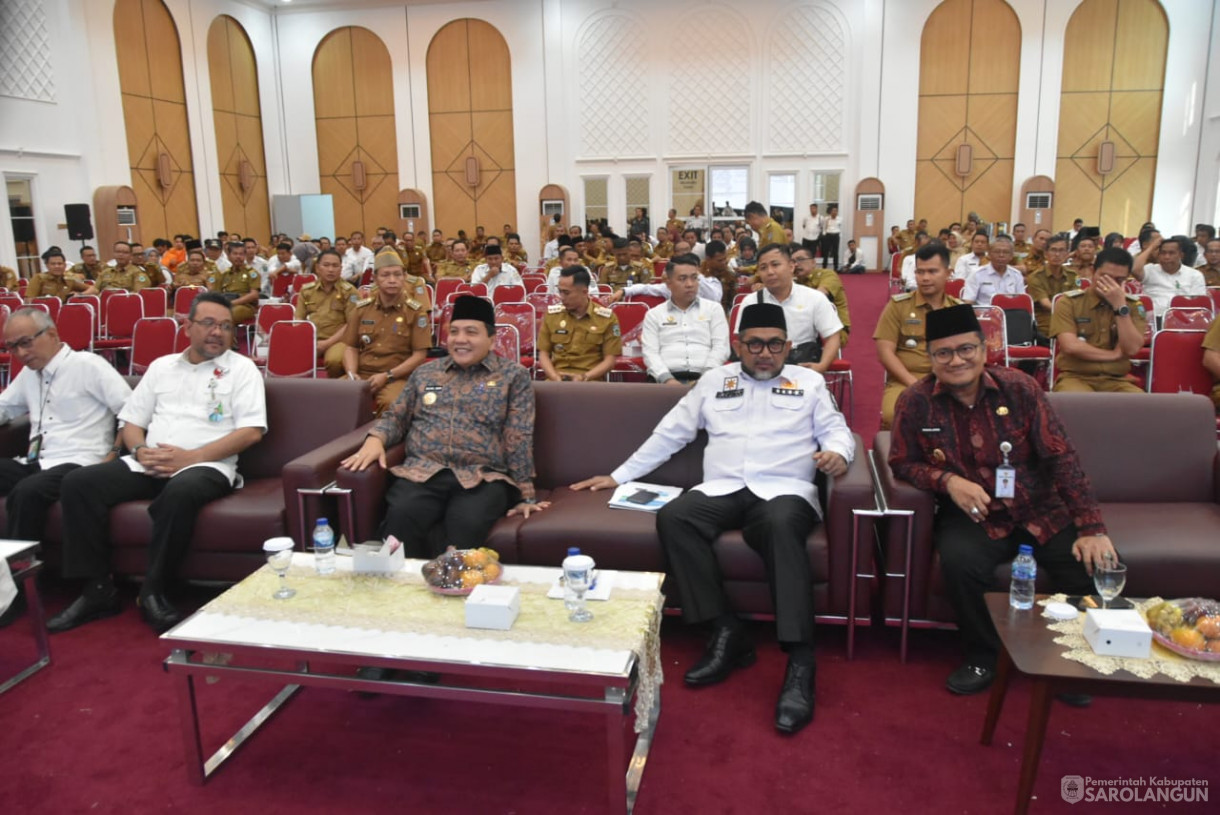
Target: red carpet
(867, 295)
(98, 731)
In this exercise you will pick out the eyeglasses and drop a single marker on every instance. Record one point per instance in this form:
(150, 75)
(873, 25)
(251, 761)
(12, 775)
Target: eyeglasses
(756, 346)
(25, 342)
(966, 352)
(210, 324)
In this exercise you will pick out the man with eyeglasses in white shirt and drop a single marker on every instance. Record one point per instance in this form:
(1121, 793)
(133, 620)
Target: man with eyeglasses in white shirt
(184, 425)
(71, 399)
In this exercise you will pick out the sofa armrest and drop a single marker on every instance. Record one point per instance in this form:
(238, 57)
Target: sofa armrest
(851, 491)
(366, 492)
(15, 437)
(315, 470)
(1216, 475)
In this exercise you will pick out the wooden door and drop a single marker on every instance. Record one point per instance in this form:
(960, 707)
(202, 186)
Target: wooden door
(1113, 80)
(237, 115)
(470, 120)
(154, 114)
(353, 87)
(969, 66)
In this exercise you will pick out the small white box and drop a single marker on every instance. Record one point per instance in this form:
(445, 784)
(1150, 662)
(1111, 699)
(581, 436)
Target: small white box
(493, 607)
(1116, 632)
(374, 558)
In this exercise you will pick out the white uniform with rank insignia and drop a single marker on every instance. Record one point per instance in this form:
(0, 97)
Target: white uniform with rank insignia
(762, 434)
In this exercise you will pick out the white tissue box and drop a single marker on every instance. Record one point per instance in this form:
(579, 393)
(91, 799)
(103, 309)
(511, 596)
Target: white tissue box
(493, 607)
(372, 558)
(1114, 632)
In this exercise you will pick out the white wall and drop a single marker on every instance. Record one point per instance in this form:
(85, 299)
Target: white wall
(713, 100)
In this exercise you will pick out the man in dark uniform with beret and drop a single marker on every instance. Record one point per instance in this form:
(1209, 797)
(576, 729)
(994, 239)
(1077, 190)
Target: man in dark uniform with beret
(759, 483)
(988, 444)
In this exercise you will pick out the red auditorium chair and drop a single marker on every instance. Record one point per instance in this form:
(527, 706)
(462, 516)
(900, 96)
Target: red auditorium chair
(292, 349)
(153, 337)
(75, 326)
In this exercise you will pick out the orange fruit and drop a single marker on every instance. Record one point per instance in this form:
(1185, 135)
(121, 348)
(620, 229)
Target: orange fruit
(1188, 638)
(471, 578)
(1209, 627)
(1213, 646)
(475, 558)
(492, 571)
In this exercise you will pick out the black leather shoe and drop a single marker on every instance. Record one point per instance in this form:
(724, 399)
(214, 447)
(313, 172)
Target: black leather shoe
(1075, 699)
(85, 609)
(728, 648)
(160, 615)
(794, 709)
(969, 679)
(15, 610)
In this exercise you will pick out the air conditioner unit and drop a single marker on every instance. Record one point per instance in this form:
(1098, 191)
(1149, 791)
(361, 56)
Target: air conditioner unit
(871, 202)
(409, 212)
(1038, 200)
(127, 216)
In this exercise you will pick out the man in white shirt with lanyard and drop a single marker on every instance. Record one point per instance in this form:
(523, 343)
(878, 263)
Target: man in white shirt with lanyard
(811, 230)
(493, 271)
(758, 481)
(1170, 277)
(811, 315)
(184, 424)
(72, 399)
(969, 263)
(997, 277)
(357, 259)
(687, 334)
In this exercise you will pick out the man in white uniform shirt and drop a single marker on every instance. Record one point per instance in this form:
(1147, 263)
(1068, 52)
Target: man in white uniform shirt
(1170, 276)
(184, 424)
(493, 271)
(709, 288)
(769, 427)
(812, 317)
(687, 334)
(997, 277)
(357, 259)
(811, 230)
(968, 264)
(72, 399)
(283, 263)
(908, 262)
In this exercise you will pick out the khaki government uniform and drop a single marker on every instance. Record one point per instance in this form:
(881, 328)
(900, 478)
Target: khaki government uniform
(435, 252)
(517, 257)
(84, 272)
(184, 277)
(451, 268)
(238, 280)
(47, 284)
(384, 336)
(1091, 319)
(1021, 250)
(1042, 285)
(616, 277)
(675, 226)
(664, 250)
(771, 232)
(155, 275)
(1211, 275)
(131, 278)
(830, 280)
(9, 278)
(1211, 342)
(904, 323)
(1035, 261)
(906, 240)
(328, 311)
(413, 260)
(576, 344)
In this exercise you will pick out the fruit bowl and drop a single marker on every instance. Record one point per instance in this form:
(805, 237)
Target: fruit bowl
(456, 572)
(1189, 627)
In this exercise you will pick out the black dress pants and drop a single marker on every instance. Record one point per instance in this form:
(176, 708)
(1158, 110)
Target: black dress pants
(441, 512)
(968, 560)
(88, 494)
(777, 529)
(30, 491)
(830, 250)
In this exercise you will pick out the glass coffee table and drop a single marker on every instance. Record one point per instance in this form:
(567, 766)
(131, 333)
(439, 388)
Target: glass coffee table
(1029, 646)
(610, 666)
(23, 562)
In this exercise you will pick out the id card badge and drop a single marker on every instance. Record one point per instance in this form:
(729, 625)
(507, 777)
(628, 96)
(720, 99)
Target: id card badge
(1005, 481)
(31, 453)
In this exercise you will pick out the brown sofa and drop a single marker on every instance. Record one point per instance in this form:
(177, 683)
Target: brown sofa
(589, 429)
(300, 451)
(1155, 468)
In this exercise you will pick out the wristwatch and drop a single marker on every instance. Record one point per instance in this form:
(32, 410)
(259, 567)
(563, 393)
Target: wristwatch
(1123, 311)
(389, 377)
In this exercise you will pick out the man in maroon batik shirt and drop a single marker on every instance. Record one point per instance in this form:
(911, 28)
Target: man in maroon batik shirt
(949, 429)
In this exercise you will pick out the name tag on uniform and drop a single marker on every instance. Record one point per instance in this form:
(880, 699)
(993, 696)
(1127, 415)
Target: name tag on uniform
(1005, 481)
(929, 430)
(368, 322)
(433, 388)
(560, 331)
(788, 391)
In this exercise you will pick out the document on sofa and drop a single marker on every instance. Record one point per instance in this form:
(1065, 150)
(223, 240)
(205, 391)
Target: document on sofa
(643, 497)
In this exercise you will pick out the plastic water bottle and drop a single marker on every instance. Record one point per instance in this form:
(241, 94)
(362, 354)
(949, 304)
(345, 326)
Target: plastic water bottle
(324, 547)
(1024, 570)
(570, 601)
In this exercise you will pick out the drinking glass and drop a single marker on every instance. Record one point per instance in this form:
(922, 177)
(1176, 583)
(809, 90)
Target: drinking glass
(279, 556)
(1109, 580)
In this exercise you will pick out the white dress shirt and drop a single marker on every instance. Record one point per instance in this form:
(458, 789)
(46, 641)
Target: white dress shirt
(72, 402)
(508, 276)
(967, 265)
(189, 406)
(986, 283)
(356, 263)
(223, 264)
(832, 226)
(908, 272)
(552, 280)
(1162, 286)
(809, 313)
(551, 250)
(811, 227)
(692, 340)
(761, 434)
(709, 289)
(273, 268)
